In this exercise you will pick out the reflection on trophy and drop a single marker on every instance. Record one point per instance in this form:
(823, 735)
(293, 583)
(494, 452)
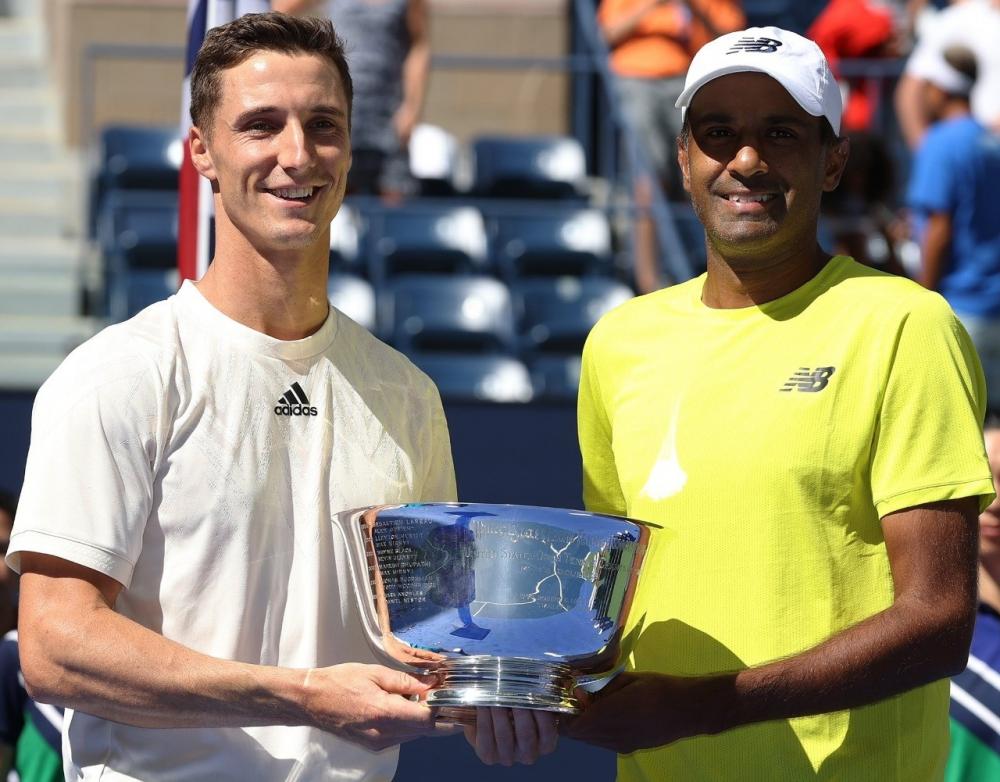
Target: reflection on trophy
(509, 605)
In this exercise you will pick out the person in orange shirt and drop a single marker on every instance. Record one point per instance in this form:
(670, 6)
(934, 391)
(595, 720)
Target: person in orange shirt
(652, 43)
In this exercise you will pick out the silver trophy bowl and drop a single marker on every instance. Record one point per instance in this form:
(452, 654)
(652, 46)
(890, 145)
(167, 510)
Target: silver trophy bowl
(508, 605)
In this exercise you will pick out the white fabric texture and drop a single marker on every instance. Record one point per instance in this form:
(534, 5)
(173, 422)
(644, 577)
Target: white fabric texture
(163, 455)
(974, 24)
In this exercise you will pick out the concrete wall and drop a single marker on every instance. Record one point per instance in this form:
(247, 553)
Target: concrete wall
(145, 88)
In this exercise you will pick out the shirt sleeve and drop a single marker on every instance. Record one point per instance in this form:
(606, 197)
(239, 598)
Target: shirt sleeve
(602, 492)
(89, 476)
(934, 181)
(928, 444)
(439, 482)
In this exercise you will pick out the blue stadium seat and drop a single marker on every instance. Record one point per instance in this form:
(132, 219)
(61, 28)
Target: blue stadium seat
(354, 297)
(555, 315)
(427, 238)
(553, 241)
(433, 160)
(129, 293)
(346, 241)
(134, 158)
(477, 377)
(139, 229)
(529, 167)
(140, 158)
(426, 313)
(555, 377)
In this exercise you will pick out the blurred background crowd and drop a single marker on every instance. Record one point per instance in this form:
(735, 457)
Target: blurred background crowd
(514, 178)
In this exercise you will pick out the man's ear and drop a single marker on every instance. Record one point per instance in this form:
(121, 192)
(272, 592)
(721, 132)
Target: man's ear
(200, 156)
(682, 162)
(835, 163)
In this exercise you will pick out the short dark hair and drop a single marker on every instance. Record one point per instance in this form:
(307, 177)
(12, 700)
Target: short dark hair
(230, 44)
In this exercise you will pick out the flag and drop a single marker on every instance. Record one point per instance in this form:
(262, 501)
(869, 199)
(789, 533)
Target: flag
(195, 192)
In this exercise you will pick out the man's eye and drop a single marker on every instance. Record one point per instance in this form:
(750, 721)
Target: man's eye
(260, 126)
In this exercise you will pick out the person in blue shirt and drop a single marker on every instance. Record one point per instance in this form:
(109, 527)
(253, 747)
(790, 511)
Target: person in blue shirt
(952, 198)
(975, 693)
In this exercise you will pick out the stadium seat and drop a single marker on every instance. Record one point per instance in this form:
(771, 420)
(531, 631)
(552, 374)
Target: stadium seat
(531, 167)
(139, 229)
(555, 315)
(426, 313)
(134, 158)
(557, 241)
(140, 158)
(130, 293)
(345, 241)
(426, 238)
(433, 159)
(477, 377)
(354, 297)
(555, 377)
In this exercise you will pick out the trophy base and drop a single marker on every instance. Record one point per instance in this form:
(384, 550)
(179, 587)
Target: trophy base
(468, 683)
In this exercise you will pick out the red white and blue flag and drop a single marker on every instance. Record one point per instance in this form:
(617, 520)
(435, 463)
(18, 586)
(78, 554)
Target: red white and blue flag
(195, 208)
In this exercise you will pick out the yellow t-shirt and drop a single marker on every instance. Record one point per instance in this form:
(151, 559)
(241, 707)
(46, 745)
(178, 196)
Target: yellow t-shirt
(766, 443)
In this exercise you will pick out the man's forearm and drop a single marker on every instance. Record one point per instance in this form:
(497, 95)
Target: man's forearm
(107, 665)
(876, 659)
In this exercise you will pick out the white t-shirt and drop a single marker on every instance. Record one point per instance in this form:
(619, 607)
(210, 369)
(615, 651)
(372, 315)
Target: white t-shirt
(201, 464)
(974, 24)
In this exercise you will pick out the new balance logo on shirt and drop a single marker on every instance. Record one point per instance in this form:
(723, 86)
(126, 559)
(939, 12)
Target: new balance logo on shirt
(759, 45)
(294, 402)
(809, 380)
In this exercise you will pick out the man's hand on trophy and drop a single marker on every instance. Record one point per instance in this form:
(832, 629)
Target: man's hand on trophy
(639, 710)
(509, 736)
(371, 705)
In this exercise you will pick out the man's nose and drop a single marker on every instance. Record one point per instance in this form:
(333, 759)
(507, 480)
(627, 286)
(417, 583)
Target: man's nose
(294, 151)
(748, 161)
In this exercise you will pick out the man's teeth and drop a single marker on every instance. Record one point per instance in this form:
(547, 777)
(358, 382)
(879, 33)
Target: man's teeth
(293, 192)
(751, 199)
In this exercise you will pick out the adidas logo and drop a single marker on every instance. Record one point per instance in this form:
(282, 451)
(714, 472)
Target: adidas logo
(294, 402)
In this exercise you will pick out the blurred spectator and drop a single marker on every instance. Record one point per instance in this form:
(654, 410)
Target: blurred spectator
(971, 23)
(30, 737)
(30, 733)
(975, 693)
(652, 43)
(388, 49)
(852, 30)
(858, 215)
(8, 578)
(956, 212)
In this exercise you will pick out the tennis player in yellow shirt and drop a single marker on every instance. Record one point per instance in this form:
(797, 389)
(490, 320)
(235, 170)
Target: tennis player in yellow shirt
(804, 433)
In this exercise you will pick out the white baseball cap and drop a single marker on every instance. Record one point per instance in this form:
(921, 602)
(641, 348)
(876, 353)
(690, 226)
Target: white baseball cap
(796, 63)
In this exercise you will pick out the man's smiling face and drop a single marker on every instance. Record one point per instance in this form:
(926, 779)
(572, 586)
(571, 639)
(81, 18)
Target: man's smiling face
(278, 148)
(756, 164)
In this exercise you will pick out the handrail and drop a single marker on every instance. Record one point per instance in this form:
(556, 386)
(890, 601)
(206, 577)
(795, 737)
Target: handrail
(675, 257)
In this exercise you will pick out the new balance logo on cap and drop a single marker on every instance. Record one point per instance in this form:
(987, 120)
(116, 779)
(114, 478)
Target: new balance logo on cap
(761, 45)
(294, 402)
(809, 380)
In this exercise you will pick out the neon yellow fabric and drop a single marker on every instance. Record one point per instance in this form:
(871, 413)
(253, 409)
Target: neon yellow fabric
(767, 442)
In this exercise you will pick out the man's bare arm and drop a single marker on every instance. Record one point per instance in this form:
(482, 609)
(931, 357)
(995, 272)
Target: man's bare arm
(909, 110)
(924, 636)
(76, 651)
(416, 70)
(935, 250)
